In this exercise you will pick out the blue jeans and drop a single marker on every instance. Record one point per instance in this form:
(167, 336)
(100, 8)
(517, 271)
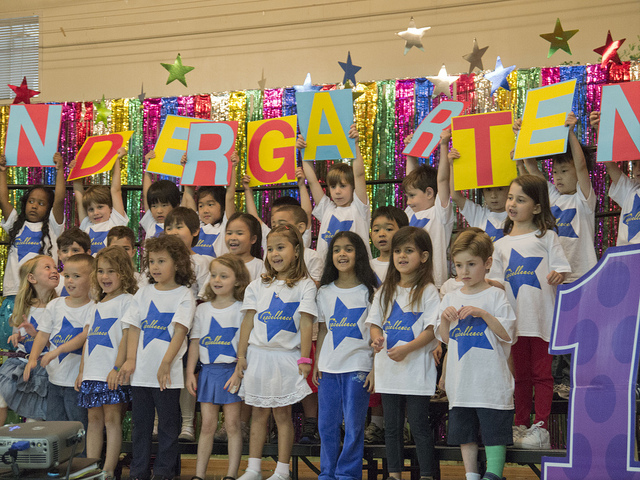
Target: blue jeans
(62, 405)
(342, 393)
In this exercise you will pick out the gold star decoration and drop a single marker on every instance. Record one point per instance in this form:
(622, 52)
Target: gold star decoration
(559, 39)
(412, 36)
(177, 71)
(102, 112)
(475, 57)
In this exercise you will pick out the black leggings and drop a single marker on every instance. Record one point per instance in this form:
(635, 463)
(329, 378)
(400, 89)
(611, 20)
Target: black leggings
(418, 413)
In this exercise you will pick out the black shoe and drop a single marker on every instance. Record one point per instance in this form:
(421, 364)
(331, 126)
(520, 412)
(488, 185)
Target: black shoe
(310, 432)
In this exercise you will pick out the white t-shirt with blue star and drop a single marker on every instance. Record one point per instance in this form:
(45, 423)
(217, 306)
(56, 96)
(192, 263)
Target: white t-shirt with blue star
(218, 332)
(211, 239)
(63, 323)
(98, 231)
(346, 346)
(626, 193)
(35, 317)
(478, 374)
(104, 337)
(521, 263)
(306, 236)
(438, 223)
(380, 269)
(480, 216)
(276, 323)
(333, 219)
(416, 374)
(256, 268)
(575, 217)
(151, 227)
(26, 246)
(200, 264)
(155, 312)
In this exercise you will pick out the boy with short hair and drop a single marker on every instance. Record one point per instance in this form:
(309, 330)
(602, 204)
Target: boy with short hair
(385, 222)
(158, 198)
(429, 207)
(478, 324)
(63, 326)
(72, 242)
(99, 207)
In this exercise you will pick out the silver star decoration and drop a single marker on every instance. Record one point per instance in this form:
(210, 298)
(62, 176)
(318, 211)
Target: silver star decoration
(262, 82)
(475, 58)
(307, 86)
(142, 94)
(443, 82)
(412, 36)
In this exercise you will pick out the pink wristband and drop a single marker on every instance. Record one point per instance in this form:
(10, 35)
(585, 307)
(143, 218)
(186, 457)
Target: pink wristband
(305, 360)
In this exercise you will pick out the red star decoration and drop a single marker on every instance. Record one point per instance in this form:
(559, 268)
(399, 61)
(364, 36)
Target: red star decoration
(23, 94)
(609, 50)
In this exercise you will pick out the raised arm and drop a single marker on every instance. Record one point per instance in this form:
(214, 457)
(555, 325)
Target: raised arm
(358, 168)
(5, 205)
(230, 194)
(305, 200)
(60, 190)
(613, 169)
(582, 172)
(531, 164)
(456, 195)
(249, 199)
(189, 193)
(116, 185)
(147, 179)
(412, 162)
(78, 194)
(309, 172)
(444, 175)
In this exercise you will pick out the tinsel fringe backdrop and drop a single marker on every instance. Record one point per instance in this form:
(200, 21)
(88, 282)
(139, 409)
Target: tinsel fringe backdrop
(386, 112)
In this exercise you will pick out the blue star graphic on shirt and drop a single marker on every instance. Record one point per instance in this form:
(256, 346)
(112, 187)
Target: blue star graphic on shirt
(66, 333)
(99, 332)
(418, 222)
(470, 333)
(64, 292)
(344, 323)
(279, 316)
(219, 341)
(205, 243)
(97, 240)
(522, 271)
(632, 219)
(399, 325)
(159, 230)
(156, 325)
(27, 242)
(28, 339)
(494, 233)
(563, 221)
(334, 227)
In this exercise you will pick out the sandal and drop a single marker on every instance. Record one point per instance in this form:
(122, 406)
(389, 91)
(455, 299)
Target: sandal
(227, 478)
(196, 478)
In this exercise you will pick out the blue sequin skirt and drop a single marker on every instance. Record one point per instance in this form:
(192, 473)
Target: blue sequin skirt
(96, 394)
(27, 399)
(211, 382)
(5, 328)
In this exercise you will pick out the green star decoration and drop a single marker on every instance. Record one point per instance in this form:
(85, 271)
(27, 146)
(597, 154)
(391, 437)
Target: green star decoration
(102, 112)
(559, 39)
(177, 71)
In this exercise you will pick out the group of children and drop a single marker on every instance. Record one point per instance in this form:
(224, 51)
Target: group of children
(226, 310)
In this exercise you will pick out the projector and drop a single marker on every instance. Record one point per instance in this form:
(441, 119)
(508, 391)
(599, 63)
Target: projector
(42, 444)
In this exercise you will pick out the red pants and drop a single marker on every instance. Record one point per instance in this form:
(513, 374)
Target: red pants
(532, 366)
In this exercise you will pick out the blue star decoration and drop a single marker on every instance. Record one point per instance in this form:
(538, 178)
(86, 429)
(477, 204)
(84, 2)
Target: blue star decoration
(307, 86)
(99, 332)
(418, 222)
(469, 333)
(399, 325)
(344, 323)
(156, 325)
(219, 341)
(97, 240)
(494, 233)
(350, 70)
(498, 77)
(279, 317)
(66, 333)
(522, 271)
(27, 242)
(563, 221)
(205, 243)
(632, 219)
(334, 227)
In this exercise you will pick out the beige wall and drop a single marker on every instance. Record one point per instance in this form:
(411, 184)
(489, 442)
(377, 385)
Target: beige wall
(111, 47)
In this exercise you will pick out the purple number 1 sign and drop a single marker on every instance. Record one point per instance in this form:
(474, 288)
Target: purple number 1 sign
(596, 319)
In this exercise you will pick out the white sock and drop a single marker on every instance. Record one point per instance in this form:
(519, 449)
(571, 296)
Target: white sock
(472, 476)
(282, 469)
(255, 464)
(378, 420)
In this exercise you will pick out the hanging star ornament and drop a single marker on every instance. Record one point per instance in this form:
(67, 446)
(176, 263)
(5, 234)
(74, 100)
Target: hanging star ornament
(475, 57)
(609, 50)
(142, 94)
(102, 112)
(443, 82)
(262, 82)
(498, 77)
(559, 39)
(23, 94)
(412, 36)
(307, 86)
(350, 70)
(177, 71)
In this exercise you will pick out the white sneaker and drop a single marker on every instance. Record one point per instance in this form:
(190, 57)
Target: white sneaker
(250, 475)
(277, 476)
(536, 437)
(187, 434)
(518, 433)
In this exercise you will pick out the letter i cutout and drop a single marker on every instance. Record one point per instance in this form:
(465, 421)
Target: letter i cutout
(596, 320)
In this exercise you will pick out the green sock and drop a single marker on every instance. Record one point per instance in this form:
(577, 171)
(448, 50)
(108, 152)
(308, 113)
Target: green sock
(496, 456)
